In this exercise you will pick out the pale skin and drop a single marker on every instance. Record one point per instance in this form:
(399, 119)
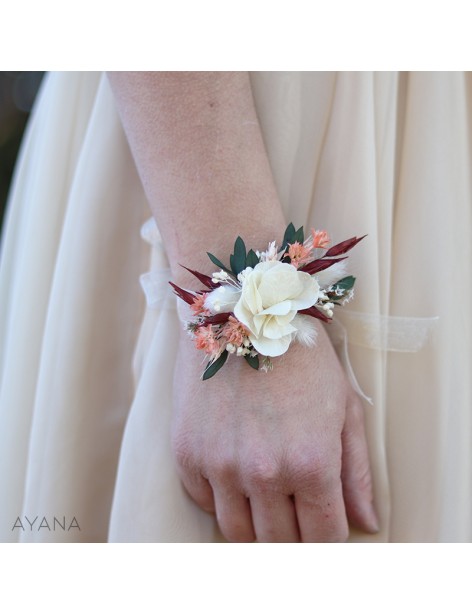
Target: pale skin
(279, 456)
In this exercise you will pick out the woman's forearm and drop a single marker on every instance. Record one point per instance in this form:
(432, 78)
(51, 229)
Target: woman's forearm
(198, 148)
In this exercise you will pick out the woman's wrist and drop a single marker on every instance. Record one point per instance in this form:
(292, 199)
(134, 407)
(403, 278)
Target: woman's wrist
(219, 240)
(258, 301)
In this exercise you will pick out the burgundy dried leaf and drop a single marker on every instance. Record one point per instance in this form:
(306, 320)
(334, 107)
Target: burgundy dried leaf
(188, 297)
(218, 318)
(205, 279)
(316, 313)
(319, 265)
(343, 247)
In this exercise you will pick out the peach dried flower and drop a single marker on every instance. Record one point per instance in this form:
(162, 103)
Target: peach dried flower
(198, 305)
(234, 331)
(205, 340)
(298, 254)
(320, 238)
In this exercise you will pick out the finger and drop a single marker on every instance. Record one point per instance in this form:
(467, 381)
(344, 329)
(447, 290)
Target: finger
(321, 513)
(355, 475)
(199, 489)
(274, 518)
(233, 513)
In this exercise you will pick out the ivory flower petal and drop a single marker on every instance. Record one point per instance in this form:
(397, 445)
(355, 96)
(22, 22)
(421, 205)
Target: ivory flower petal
(271, 295)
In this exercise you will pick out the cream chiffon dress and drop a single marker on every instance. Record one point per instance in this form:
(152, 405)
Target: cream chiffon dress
(87, 363)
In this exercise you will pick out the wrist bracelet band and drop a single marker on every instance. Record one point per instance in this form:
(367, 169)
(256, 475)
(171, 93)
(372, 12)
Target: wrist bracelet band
(263, 301)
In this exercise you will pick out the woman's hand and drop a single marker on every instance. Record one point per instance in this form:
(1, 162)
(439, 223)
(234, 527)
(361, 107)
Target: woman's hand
(279, 456)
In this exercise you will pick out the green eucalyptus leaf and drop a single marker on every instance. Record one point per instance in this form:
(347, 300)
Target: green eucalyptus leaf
(239, 256)
(251, 258)
(252, 361)
(289, 236)
(232, 264)
(346, 283)
(215, 261)
(214, 367)
(299, 235)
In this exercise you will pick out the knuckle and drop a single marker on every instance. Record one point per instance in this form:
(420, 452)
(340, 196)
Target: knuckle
(212, 463)
(319, 472)
(223, 468)
(263, 473)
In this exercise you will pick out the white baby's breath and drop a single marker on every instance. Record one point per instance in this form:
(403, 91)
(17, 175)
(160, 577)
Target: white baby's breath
(270, 255)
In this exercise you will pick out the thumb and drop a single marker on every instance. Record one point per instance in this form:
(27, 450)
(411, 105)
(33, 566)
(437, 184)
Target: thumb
(356, 475)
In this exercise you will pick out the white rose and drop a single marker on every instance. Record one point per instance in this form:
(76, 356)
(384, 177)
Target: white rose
(272, 293)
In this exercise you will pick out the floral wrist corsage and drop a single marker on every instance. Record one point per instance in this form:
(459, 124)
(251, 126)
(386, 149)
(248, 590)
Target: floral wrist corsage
(265, 300)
